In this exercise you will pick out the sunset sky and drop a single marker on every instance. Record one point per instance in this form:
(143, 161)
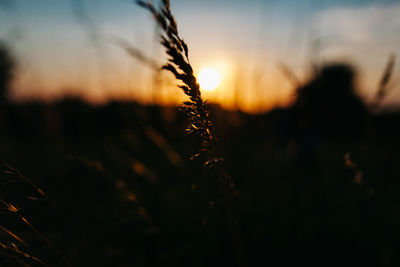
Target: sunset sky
(68, 46)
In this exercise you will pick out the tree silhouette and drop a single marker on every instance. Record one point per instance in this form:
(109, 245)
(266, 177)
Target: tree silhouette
(328, 104)
(7, 66)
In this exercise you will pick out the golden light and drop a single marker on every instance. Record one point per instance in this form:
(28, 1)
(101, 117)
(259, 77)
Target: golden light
(208, 79)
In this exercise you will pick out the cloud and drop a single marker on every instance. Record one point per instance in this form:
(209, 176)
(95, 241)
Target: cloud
(364, 35)
(362, 25)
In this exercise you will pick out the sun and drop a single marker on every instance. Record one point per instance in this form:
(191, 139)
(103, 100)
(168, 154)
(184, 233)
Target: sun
(208, 79)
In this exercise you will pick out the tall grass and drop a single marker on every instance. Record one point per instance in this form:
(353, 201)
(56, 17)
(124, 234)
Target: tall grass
(384, 83)
(197, 112)
(17, 249)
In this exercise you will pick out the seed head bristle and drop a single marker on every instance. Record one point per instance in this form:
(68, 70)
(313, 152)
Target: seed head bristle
(179, 65)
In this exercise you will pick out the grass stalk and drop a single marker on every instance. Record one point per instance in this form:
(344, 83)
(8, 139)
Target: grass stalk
(197, 112)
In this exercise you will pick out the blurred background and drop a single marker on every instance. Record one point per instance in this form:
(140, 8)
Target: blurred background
(73, 47)
(95, 160)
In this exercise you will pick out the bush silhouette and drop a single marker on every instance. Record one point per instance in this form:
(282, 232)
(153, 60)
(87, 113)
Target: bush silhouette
(328, 105)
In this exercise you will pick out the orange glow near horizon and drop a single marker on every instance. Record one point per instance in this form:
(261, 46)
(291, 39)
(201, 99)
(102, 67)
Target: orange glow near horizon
(236, 88)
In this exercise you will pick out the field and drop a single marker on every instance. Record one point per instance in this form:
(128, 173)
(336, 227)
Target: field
(121, 184)
(122, 191)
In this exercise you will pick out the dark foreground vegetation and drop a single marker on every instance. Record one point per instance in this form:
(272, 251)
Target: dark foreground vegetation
(120, 190)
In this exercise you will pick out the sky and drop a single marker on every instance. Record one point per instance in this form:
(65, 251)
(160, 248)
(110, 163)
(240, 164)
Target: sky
(69, 47)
